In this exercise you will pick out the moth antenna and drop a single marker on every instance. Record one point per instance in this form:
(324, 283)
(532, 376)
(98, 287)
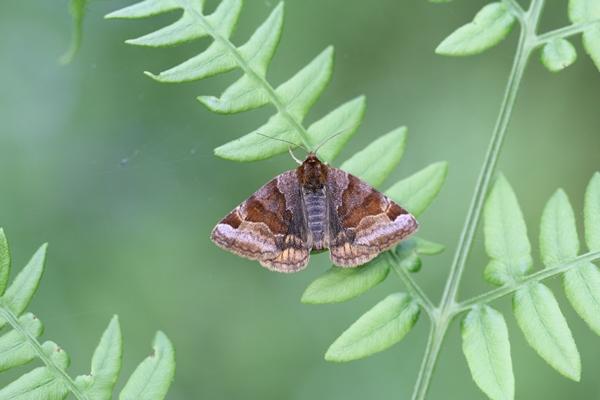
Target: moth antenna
(283, 140)
(291, 151)
(327, 139)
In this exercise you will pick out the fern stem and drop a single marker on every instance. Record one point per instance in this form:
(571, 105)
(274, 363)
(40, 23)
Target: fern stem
(535, 277)
(413, 288)
(445, 312)
(432, 350)
(483, 183)
(13, 321)
(564, 32)
(248, 70)
(533, 16)
(516, 8)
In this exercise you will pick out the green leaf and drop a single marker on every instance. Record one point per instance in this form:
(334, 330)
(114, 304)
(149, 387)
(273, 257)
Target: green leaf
(297, 95)
(591, 44)
(489, 27)
(292, 99)
(152, 378)
(558, 231)
(591, 213)
(375, 162)
(217, 58)
(558, 55)
(301, 91)
(77, 10)
(408, 256)
(428, 248)
(341, 284)
(4, 262)
(582, 11)
(342, 122)
(40, 383)
(546, 330)
(261, 46)
(15, 350)
(243, 95)
(19, 293)
(246, 93)
(252, 147)
(487, 349)
(147, 8)
(190, 26)
(582, 287)
(106, 364)
(506, 240)
(558, 244)
(379, 328)
(416, 192)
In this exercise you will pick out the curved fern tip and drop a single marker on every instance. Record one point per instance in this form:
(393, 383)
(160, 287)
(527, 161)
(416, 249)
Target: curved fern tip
(111, 15)
(163, 343)
(560, 192)
(439, 50)
(443, 165)
(115, 320)
(137, 42)
(330, 356)
(153, 76)
(307, 297)
(501, 177)
(208, 101)
(280, 7)
(401, 132)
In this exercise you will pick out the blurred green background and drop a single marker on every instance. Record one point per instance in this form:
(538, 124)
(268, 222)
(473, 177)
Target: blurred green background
(117, 173)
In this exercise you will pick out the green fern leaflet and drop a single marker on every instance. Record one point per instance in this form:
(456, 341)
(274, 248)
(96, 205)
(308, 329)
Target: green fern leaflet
(20, 345)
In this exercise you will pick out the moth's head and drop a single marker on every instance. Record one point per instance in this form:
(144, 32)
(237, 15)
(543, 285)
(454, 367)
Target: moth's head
(312, 172)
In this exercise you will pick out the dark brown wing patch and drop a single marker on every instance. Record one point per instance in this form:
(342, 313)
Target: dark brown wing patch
(364, 222)
(268, 226)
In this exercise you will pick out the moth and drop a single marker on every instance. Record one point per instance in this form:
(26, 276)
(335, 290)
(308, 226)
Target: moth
(313, 208)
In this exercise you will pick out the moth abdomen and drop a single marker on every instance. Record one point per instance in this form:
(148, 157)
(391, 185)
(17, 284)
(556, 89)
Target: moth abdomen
(315, 203)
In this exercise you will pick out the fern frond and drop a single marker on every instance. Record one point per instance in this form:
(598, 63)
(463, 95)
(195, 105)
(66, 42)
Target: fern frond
(292, 99)
(19, 345)
(535, 307)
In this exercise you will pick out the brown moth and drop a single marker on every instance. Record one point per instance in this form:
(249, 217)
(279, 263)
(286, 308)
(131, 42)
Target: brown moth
(313, 208)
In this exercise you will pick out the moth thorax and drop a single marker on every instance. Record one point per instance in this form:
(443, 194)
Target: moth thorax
(313, 174)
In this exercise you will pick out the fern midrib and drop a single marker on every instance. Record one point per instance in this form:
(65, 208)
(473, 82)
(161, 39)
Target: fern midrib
(384, 325)
(248, 70)
(151, 376)
(41, 384)
(588, 287)
(538, 276)
(13, 349)
(13, 321)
